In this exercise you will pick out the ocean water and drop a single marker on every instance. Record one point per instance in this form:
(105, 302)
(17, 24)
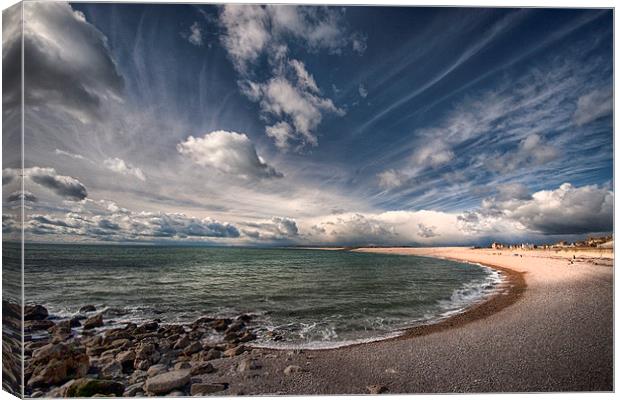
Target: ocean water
(310, 298)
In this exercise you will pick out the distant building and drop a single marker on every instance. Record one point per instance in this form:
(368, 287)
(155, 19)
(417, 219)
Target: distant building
(497, 246)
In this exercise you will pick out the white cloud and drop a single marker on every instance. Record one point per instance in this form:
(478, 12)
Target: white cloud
(195, 36)
(276, 229)
(291, 93)
(433, 154)
(304, 79)
(304, 110)
(362, 90)
(565, 210)
(246, 33)
(69, 154)
(391, 179)
(281, 133)
(122, 225)
(593, 105)
(120, 166)
(228, 152)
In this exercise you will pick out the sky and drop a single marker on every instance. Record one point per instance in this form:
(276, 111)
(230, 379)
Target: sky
(304, 125)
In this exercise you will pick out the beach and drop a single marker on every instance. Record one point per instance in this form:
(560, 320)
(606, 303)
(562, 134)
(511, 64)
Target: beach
(549, 328)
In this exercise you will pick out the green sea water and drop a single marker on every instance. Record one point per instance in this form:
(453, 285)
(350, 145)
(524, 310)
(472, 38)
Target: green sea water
(309, 298)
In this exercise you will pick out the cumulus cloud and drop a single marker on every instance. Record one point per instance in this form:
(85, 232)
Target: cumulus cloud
(64, 186)
(70, 68)
(290, 94)
(120, 166)
(106, 221)
(228, 152)
(593, 105)
(195, 35)
(295, 103)
(565, 210)
(276, 229)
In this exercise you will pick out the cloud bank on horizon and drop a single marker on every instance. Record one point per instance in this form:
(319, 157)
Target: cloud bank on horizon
(258, 125)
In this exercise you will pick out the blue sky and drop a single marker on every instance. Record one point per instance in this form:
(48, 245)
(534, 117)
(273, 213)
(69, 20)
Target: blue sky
(284, 124)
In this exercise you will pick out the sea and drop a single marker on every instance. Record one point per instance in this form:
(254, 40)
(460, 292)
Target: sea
(299, 298)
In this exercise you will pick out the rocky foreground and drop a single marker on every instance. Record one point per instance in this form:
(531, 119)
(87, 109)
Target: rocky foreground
(80, 358)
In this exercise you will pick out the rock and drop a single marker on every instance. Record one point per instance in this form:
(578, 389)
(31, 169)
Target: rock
(192, 348)
(156, 369)
(146, 328)
(87, 387)
(181, 343)
(94, 322)
(35, 312)
(248, 364)
(244, 318)
(232, 337)
(182, 365)
(57, 363)
(74, 322)
(126, 358)
(247, 337)
(87, 308)
(235, 327)
(376, 389)
(212, 354)
(112, 370)
(132, 390)
(138, 376)
(167, 382)
(292, 369)
(235, 351)
(220, 324)
(202, 368)
(199, 389)
(37, 325)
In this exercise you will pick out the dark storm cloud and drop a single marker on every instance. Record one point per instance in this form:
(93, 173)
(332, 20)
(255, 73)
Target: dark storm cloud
(64, 186)
(69, 65)
(26, 196)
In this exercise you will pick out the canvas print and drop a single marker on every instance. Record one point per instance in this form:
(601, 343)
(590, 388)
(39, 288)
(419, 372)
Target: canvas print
(246, 199)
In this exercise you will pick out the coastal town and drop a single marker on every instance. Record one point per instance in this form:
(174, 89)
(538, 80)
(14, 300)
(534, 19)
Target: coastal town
(601, 242)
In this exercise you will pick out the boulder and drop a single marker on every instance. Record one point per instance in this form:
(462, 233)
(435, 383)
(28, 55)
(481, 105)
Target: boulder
(87, 308)
(166, 382)
(192, 348)
(126, 358)
(156, 369)
(220, 324)
(181, 343)
(87, 387)
(182, 365)
(202, 368)
(235, 351)
(112, 370)
(37, 325)
(94, 322)
(247, 337)
(199, 389)
(36, 312)
(212, 354)
(132, 390)
(147, 327)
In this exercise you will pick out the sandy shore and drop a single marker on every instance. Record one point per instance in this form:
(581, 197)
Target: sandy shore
(557, 336)
(549, 329)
